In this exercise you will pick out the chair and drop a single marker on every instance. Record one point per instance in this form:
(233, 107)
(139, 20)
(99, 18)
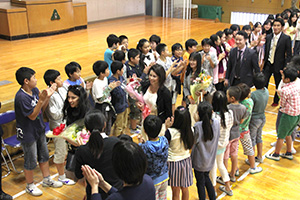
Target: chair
(10, 141)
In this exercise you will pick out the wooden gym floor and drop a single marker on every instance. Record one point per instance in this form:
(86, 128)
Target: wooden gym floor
(279, 180)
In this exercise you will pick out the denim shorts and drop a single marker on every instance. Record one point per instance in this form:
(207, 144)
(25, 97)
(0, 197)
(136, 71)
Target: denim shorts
(35, 151)
(255, 127)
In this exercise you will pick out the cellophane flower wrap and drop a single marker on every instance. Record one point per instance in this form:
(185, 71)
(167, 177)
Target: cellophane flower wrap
(133, 88)
(72, 132)
(201, 82)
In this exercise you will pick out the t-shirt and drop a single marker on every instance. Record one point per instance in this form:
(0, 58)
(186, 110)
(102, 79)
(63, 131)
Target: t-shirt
(79, 81)
(157, 156)
(239, 113)
(100, 91)
(186, 57)
(169, 82)
(248, 103)
(108, 58)
(28, 130)
(260, 100)
(204, 153)
(144, 191)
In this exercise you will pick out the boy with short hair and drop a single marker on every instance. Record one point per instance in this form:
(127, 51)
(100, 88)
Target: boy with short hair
(119, 99)
(112, 43)
(101, 93)
(244, 128)
(258, 119)
(290, 108)
(134, 70)
(239, 114)
(29, 104)
(190, 47)
(120, 56)
(55, 116)
(123, 44)
(154, 41)
(156, 150)
(73, 71)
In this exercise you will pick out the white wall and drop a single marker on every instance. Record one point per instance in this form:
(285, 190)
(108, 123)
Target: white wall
(108, 9)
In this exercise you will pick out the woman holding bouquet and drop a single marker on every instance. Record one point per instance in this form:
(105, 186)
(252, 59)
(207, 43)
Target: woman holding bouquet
(192, 72)
(75, 107)
(97, 152)
(156, 96)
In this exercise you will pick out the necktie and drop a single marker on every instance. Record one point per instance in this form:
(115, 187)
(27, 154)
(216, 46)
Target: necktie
(238, 64)
(273, 50)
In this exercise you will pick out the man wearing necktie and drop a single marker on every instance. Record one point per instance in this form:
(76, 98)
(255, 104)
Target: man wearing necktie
(278, 53)
(242, 63)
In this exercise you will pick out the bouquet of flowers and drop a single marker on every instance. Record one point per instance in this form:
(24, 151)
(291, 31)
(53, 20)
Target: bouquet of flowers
(133, 88)
(73, 132)
(202, 82)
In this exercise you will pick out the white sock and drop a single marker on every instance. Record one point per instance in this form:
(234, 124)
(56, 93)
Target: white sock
(62, 177)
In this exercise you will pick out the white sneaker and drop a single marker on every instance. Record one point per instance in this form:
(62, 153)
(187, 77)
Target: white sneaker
(67, 181)
(33, 190)
(255, 170)
(48, 182)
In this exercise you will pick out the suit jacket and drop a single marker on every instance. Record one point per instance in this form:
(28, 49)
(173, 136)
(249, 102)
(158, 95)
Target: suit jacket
(249, 66)
(283, 52)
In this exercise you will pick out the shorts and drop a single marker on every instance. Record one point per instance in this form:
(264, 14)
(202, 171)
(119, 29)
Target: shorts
(247, 143)
(255, 127)
(174, 97)
(60, 150)
(286, 125)
(180, 173)
(35, 151)
(135, 112)
(231, 148)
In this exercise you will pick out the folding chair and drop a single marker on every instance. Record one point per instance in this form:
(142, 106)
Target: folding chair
(10, 141)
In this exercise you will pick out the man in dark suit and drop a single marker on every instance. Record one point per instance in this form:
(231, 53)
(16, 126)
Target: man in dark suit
(242, 63)
(278, 53)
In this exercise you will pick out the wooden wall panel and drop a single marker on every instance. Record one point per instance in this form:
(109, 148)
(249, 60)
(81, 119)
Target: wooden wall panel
(259, 6)
(80, 17)
(18, 23)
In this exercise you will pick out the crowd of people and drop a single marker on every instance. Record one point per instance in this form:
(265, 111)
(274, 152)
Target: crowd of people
(226, 112)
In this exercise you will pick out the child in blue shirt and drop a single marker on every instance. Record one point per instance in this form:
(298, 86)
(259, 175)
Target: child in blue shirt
(119, 99)
(29, 104)
(156, 150)
(112, 42)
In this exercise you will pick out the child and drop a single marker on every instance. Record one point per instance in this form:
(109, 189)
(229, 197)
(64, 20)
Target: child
(29, 104)
(165, 61)
(247, 29)
(55, 116)
(177, 51)
(258, 40)
(229, 35)
(190, 47)
(206, 134)
(181, 140)
(235, 29)
(120, 56)
(154, 41)
(119, 99)
(134, 70)
(123, 43)
(73, 71)
(244, 128)
(112, 43)
(258, 119)
(290, 108)
(156, 150)
(147, 58)
(239, 113)
(219, 103)
(101, 92)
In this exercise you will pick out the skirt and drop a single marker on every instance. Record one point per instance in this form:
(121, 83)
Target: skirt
(180, 173)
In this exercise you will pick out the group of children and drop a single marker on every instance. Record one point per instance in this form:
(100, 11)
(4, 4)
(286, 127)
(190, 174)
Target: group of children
(213, 139)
